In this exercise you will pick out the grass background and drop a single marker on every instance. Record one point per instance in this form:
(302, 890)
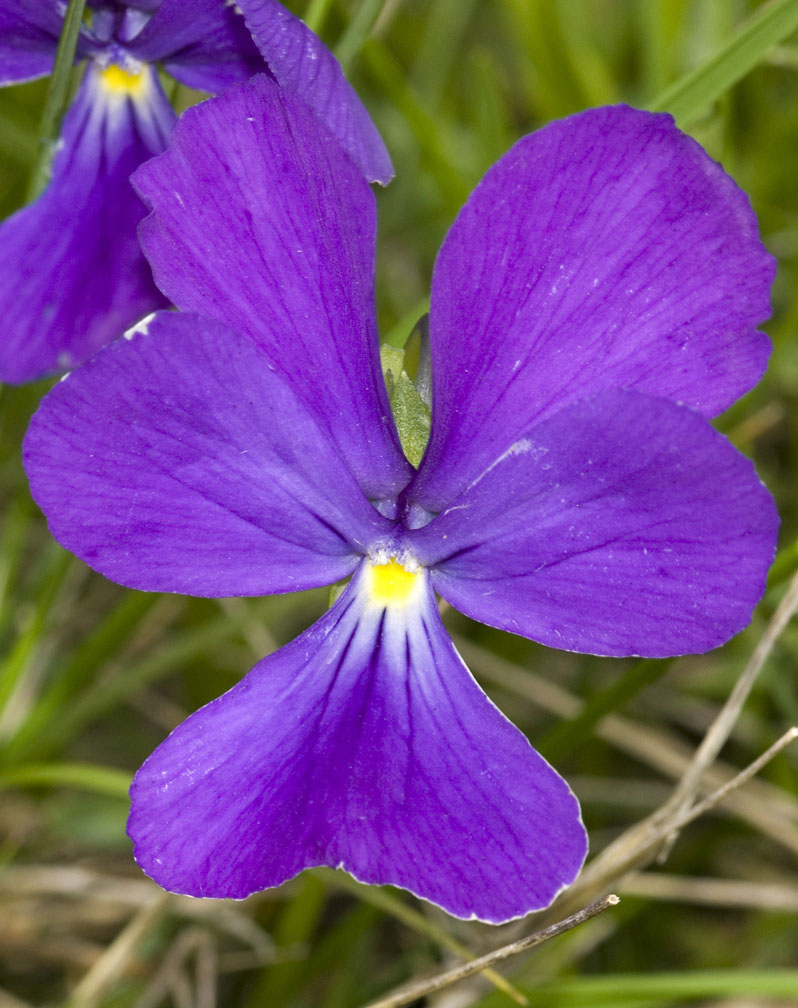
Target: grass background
(92, 676)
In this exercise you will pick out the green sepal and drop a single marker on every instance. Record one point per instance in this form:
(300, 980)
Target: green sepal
(411, 414)
(336, 591)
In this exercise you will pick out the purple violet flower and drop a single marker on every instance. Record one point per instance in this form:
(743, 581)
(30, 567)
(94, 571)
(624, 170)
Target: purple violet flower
(72, 276)
(594, 303)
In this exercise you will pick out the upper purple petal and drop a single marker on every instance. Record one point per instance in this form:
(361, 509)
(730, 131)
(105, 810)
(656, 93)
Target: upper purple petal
(605, 251)
(205, 44)
(73, 276)
(305, 66)
(622, 525)
(366, 745)
(178, 460)
(260, 220)
(29, 31)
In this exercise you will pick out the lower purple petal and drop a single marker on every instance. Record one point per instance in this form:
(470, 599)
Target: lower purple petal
(364, 745)
(622, 525)
(73, 276)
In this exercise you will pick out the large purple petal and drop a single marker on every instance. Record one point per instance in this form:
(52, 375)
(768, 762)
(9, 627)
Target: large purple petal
(366, 745)
(205, 44)
(29, 31)
(72, 275)
(177, 460)
(260, 220)
(622, 525)
(605, 251)
(305, 66)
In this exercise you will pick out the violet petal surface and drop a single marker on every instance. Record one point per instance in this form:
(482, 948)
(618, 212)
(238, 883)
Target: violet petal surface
(260, 220)
(303, 65)
(606, 250)
(364, 744)
(204, 44)
(621, 525)
(177, 460)
(73, 275)
(29, 31)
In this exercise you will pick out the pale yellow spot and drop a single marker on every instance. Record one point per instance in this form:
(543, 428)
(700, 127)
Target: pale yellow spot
(391, 583)
(114, 78)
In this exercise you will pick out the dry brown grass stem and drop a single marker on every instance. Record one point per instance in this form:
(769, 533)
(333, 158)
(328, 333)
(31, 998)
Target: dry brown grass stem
(421, 988)
(644, 842)
(112, 898)
(654, 835)
(721, 729)
(116, 959)
(767, 808)
(714, 892)
(11, 1000)
(641, 844)
(175, 977)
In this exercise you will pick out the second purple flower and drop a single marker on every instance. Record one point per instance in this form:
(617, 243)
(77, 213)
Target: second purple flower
(72, 276)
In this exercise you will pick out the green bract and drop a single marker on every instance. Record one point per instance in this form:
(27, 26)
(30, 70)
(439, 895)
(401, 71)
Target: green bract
(411, 413)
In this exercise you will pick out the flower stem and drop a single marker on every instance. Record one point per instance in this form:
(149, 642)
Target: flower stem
(57, 97)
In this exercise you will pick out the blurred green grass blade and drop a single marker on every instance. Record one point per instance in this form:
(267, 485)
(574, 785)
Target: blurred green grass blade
(357, 31)
(403, 330)
(689, 97)
(784, 56)
(589, 64)
(76, 674)
(784, 565)
(431, 134)
(493, 128)
(16, 141)
(440, 47)
(12, 540)
(664, 988)
(104, 695)
(85, 776)
(566, 737)
(16, 665)
(555, 90)
(660, 989)
(57, 96)
(661, 25)
(316, 14)
(339, 953)
(295, 926)
(347, 983)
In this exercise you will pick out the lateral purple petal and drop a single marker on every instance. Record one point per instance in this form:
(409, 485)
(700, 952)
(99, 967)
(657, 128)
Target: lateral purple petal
(73, 275)
(305, 66)
(177, 460)
(605, 251)
(205, 44)
(365, 744)
(29, 31)
(261, 221)
(622, 525)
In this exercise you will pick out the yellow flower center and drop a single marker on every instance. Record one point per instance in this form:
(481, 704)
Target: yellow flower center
(119, 81)
(391, 583)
